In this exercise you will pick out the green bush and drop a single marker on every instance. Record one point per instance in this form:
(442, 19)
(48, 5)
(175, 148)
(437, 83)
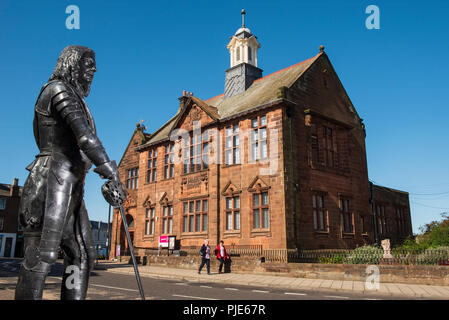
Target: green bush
(338, 258)
(369, 254)
(409, 246)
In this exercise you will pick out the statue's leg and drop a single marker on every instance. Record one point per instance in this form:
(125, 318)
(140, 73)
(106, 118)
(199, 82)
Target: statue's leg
(29, 283)
(39, 257)
(80, 252)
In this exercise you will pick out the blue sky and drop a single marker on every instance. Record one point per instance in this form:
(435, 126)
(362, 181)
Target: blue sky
(149, 51)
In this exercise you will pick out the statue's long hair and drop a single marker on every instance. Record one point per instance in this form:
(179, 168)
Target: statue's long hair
(68, 66)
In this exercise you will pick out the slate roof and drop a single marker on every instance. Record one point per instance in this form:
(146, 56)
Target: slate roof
(164, 131)
(262, 91)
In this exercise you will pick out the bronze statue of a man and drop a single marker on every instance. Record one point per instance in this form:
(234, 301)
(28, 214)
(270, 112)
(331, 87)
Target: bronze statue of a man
(52, 210)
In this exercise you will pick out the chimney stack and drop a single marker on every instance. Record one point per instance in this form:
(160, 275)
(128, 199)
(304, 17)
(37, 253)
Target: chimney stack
(182, 100)
(14, 190)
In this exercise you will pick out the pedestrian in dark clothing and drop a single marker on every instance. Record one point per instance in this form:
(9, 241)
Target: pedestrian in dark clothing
(205, 256)
(222, 255)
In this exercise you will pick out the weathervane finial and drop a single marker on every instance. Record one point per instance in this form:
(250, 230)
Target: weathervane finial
(243, 18)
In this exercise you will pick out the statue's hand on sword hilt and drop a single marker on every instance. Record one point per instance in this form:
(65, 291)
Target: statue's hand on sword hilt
(113, 191)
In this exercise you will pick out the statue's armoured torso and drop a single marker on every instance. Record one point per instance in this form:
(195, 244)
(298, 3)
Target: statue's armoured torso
(53, 135)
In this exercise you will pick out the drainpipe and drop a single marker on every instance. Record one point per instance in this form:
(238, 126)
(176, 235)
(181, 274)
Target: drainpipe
(294, 187)
(373, 210)
(218, 188)
(108, 235)
(116, 236)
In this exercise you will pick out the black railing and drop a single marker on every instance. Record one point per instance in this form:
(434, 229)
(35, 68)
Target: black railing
(362, 255)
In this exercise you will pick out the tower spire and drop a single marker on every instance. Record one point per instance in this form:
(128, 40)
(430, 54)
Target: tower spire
(243, 18)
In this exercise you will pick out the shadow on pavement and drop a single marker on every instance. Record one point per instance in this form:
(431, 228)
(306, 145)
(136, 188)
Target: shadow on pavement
(10, 268)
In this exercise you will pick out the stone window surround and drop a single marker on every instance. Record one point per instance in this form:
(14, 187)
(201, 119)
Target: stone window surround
(205, 141)
(349, 198)
(169, 166)
(234, 148)
(202, 213)
(260, 207)
(259, 141)
(313, 118)
(149, 219)
(381, 218)
(328, 138)
(132, 178)
(323, 195)
(401, 219)
(232, 211)
(152, 165)
(364, 218)
(169, 217)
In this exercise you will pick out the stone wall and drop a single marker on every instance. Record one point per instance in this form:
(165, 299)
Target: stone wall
(429, 275)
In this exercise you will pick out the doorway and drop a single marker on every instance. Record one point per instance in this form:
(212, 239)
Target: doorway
(124, 246)
(8, 247)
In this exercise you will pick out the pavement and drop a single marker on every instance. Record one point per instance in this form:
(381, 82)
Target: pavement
(392, 290)
(9, 269)
(115, 280)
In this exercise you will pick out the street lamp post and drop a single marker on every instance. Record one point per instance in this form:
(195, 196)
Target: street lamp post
(108, 234)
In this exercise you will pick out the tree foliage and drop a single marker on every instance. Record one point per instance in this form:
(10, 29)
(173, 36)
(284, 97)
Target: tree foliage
(433, 235)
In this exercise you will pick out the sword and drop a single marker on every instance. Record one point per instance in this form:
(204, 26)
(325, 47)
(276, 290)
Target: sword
(131, 248)
(115, 195)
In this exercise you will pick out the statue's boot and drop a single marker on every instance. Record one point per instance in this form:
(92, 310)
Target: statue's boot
(72, 289)
(30, 285)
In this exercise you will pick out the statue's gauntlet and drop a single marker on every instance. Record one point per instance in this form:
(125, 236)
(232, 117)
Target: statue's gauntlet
(108, 170)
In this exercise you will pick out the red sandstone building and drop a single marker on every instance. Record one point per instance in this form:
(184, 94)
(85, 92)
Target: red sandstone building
(11, 237)
(275, 162)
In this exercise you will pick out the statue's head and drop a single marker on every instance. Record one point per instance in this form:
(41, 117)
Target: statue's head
(76, 66)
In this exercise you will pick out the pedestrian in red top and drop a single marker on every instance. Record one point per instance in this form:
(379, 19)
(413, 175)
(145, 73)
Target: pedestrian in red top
(222, 255)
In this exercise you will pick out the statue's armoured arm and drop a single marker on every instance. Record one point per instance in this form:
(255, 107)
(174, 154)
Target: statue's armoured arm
(71, 112)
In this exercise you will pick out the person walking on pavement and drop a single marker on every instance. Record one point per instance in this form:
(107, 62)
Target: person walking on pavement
(205, 256)
(222, 255)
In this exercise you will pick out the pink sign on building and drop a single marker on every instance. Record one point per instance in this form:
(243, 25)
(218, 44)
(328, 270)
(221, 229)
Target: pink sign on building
(163, 241)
